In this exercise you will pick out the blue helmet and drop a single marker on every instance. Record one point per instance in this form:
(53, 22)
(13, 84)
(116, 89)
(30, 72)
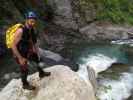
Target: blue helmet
(31, 14)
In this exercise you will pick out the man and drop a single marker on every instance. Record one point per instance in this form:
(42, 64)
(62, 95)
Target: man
(24, 49)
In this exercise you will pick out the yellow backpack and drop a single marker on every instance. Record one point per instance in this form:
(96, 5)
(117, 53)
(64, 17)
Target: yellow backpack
(10, 34)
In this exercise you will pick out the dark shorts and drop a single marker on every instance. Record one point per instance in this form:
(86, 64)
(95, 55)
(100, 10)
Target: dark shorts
(30, 56)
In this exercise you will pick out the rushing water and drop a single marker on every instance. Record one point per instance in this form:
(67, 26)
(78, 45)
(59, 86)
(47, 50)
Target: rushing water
(113, 65)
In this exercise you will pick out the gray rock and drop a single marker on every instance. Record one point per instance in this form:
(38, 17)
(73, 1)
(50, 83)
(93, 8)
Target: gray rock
(51, 58)
(63, 13)
(62, 7)
(66, 22)
(92, 77)
(50, 55)
(102, 32)
(7, 76)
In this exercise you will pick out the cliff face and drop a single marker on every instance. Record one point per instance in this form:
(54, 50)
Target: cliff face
(73, 13)
(69, 13)
(14, 11)
(73, 21)
(93, 18)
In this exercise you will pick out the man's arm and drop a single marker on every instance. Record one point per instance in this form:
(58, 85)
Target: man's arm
(17, 38)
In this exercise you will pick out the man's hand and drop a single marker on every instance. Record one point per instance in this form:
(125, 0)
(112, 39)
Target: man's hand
(34, 49)
(22, 61)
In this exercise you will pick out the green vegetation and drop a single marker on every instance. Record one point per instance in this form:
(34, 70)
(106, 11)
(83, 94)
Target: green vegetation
(46, 1)
(117, 11)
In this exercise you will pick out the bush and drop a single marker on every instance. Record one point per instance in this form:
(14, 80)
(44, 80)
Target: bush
(117, 11)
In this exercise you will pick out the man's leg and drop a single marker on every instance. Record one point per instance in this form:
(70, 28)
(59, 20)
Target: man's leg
(24, 74)
(34, 57)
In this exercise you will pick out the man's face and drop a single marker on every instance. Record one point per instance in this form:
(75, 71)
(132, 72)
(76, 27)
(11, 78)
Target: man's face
(31, 22)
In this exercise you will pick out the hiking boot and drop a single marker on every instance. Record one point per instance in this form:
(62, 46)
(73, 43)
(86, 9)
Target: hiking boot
(43, 74)
(28, 87)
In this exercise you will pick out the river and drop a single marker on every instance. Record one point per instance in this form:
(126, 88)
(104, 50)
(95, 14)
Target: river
(113, 65)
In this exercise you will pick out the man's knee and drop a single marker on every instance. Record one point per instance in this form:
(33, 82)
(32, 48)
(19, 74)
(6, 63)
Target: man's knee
(24, 68)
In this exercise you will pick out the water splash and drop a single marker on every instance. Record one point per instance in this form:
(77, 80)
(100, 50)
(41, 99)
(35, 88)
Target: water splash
(122, 42)
(98, 62)
(116, 90)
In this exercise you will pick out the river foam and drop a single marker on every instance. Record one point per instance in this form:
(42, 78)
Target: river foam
(98, 62)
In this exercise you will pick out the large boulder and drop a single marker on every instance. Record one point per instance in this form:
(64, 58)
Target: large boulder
(63, 84)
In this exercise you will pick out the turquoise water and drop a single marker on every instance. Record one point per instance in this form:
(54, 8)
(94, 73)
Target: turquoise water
(120, 52)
